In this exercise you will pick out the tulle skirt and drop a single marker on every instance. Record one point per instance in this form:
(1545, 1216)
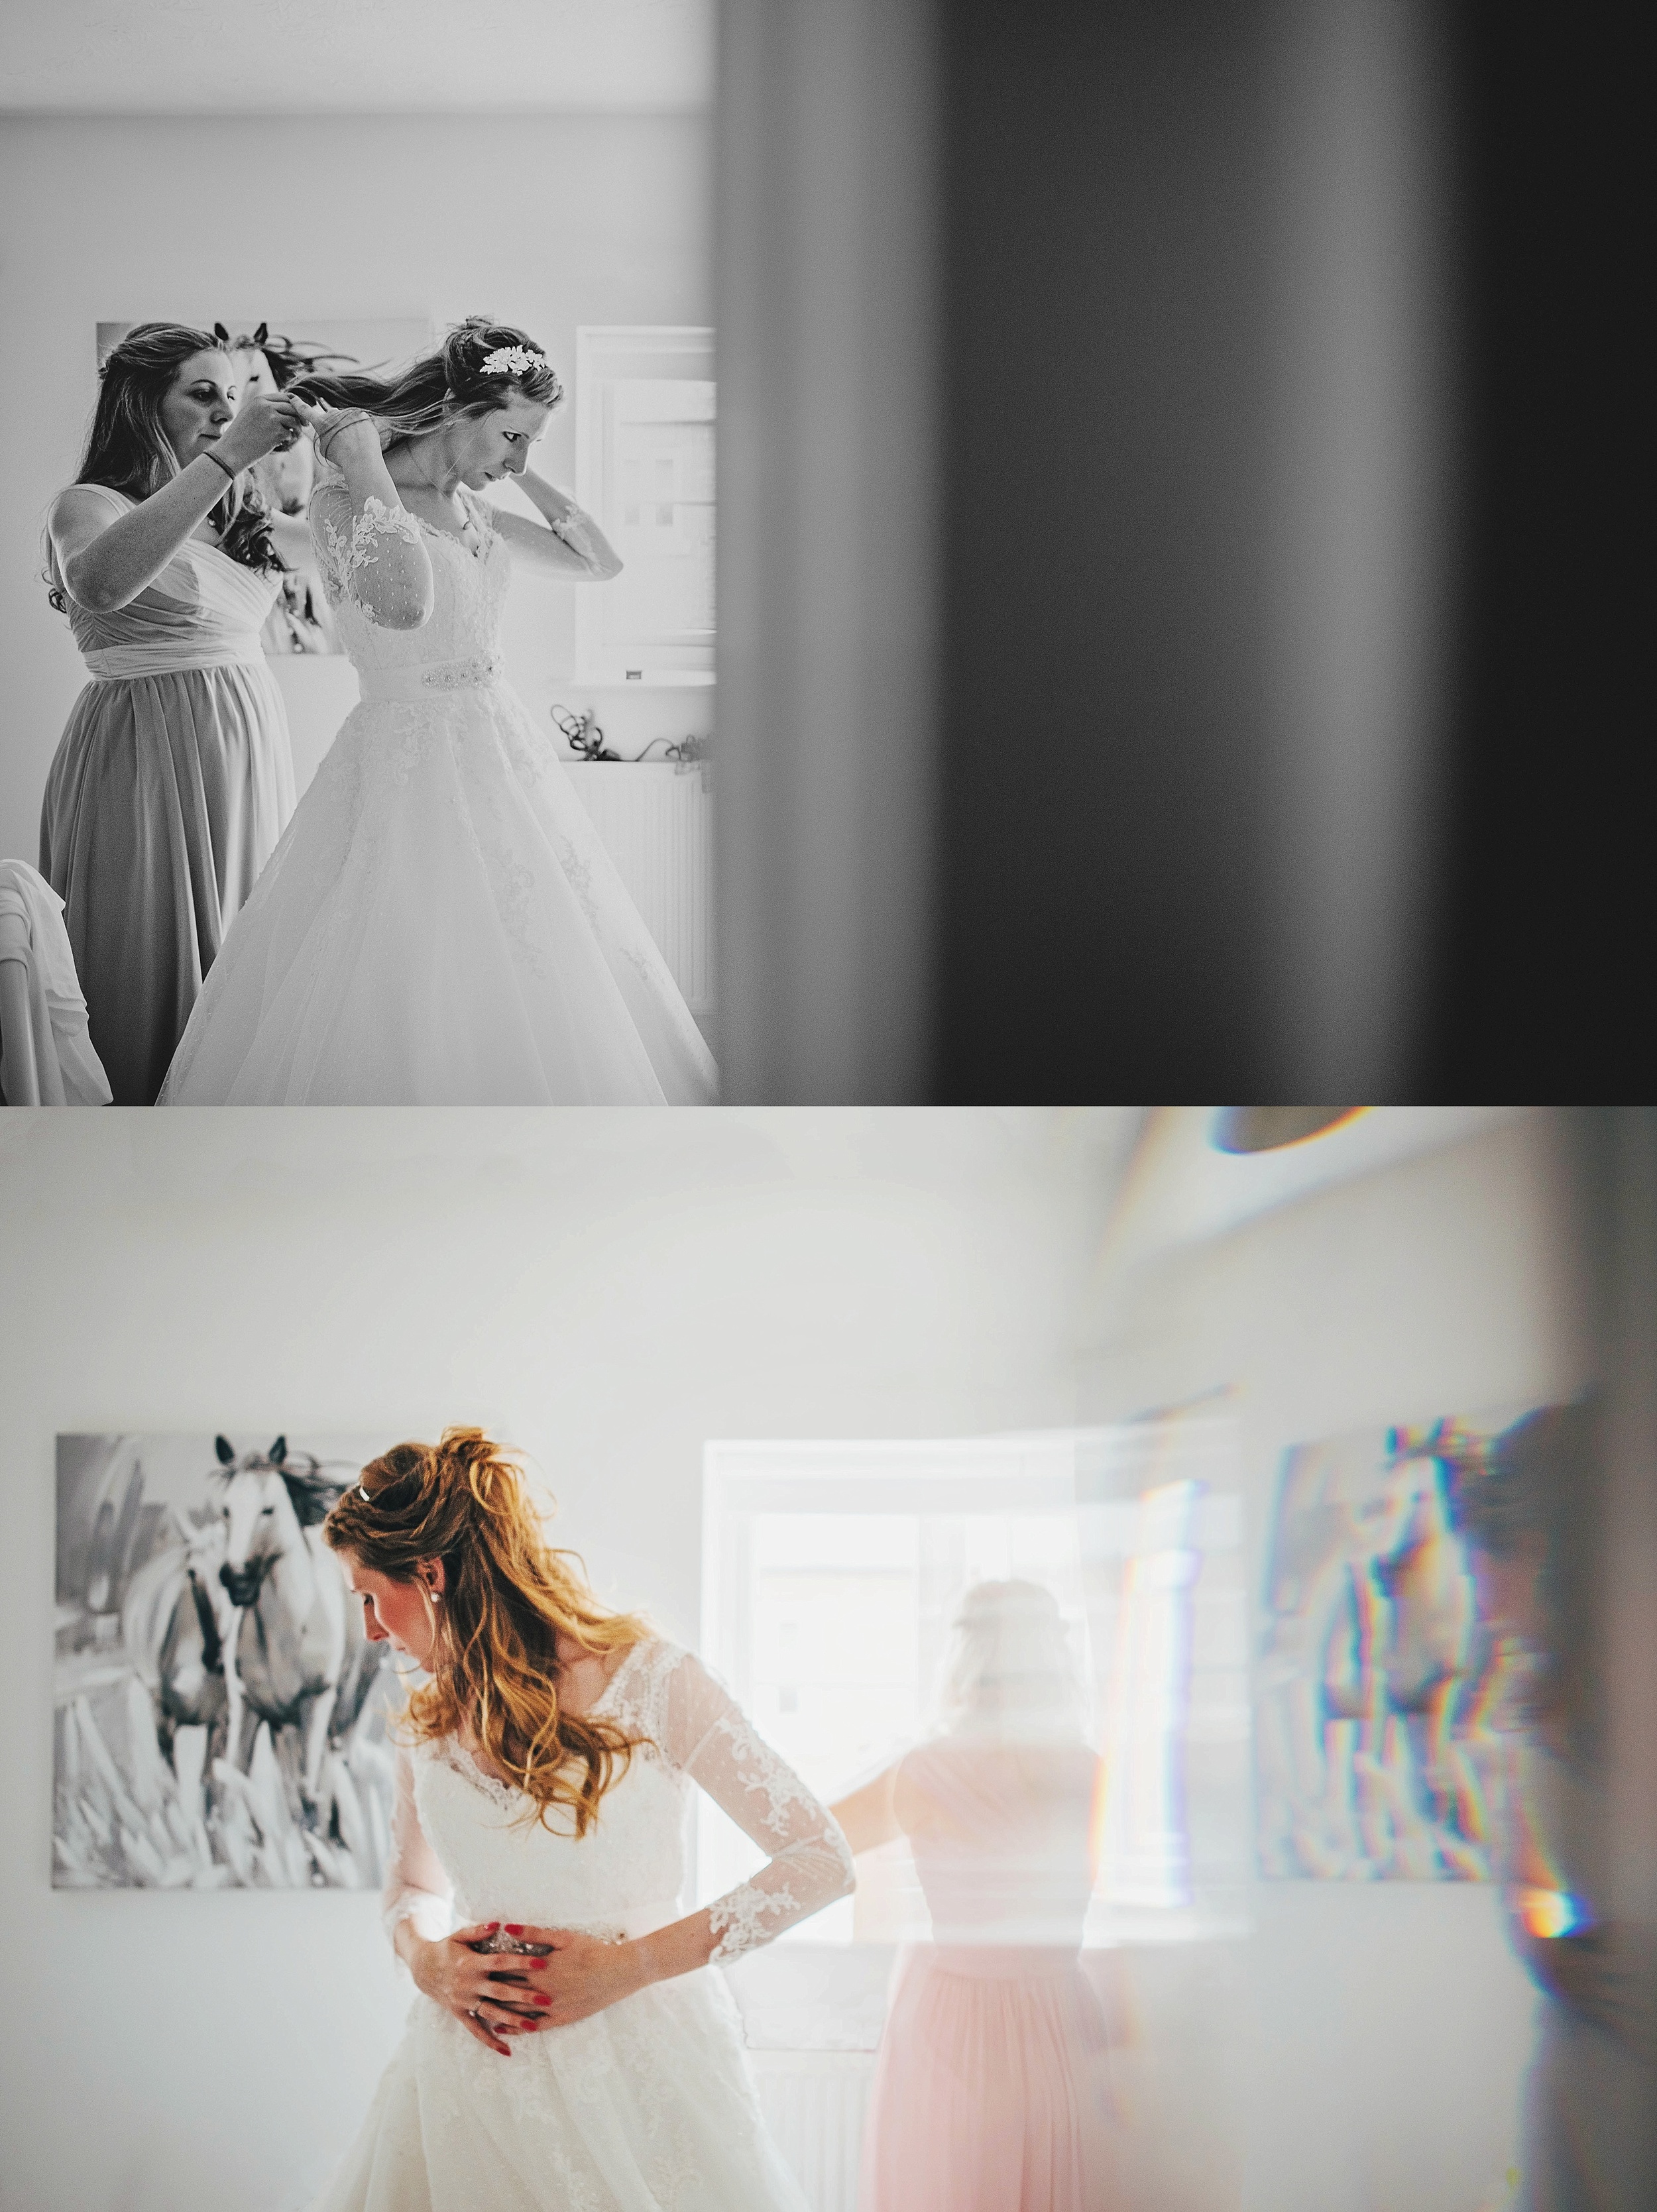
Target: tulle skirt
(441, 925)
(646, 2107)
(991, 2091)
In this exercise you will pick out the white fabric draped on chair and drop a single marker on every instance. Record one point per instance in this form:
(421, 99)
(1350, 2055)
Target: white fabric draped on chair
(47, 1056)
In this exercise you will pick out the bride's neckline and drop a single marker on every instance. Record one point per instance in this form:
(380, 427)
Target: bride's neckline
(484, 531)
(485, 537)
(473, 523)
(499, 1781)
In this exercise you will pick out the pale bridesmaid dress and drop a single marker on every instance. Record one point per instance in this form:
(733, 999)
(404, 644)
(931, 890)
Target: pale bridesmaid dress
(992, 2088)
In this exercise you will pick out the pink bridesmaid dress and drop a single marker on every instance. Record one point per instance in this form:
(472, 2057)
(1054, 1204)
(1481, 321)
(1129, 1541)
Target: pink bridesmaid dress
(991, 2091)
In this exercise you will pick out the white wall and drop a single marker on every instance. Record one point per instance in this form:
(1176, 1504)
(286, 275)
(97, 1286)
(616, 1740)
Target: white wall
(1363, 2051)
(548, 222)
(607, 1291)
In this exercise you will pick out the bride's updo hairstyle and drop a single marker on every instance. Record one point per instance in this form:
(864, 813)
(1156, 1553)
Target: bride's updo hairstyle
(439, 387)
(506, 1594)
(127, 449)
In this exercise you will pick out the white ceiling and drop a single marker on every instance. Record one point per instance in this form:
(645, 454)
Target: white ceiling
(1179, 1189)
(286, 57)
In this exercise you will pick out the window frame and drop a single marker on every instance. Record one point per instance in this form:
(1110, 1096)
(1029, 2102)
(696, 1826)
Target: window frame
(608, 355)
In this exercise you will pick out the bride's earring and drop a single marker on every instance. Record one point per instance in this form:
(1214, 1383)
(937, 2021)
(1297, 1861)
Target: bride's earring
(433, 1598)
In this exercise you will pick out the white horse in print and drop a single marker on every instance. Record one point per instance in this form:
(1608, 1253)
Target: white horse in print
(177, 1622)
(300, 1659)
(301, 620)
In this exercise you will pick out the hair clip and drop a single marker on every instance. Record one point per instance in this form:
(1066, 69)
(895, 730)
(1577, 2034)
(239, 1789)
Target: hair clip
(363, 1493)
(511, 361)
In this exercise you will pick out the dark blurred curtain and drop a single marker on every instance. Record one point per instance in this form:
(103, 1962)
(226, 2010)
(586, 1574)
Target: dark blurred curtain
(1176, 638)
(1104, 914)
(1544, 922)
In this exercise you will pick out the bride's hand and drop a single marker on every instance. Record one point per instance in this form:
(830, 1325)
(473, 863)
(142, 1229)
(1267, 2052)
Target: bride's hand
(266, 422)
(487, 1991)
(341, 433)
(582, 1975)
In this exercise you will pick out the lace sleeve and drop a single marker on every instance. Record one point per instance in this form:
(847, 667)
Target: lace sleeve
(710, 1739)
(575, 531)
(417, 1886)
(374, 555)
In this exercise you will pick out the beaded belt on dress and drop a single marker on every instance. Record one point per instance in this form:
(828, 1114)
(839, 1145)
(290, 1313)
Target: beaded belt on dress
(473, 674)
(621, 1927)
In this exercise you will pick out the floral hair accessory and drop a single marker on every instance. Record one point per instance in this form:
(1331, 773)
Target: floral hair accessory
(511, 361)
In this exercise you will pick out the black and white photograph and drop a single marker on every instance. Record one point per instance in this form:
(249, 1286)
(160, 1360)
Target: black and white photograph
(220, 1716)
(331, 793)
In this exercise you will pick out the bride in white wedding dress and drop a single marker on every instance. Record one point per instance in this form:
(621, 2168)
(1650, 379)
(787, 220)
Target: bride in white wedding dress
(542, 1801)
(440, 924)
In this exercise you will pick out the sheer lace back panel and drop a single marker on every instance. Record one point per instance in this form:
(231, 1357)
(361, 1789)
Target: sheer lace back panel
(460, 1833)
(468, 582)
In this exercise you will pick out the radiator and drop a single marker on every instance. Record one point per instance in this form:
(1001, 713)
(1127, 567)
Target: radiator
(814, 2102)
(657, 822)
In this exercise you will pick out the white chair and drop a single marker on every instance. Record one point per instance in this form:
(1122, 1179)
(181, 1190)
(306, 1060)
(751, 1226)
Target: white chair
(46, 1057)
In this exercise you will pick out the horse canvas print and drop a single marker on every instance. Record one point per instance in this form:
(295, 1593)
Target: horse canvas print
(220, 1716)
(1380, 1696)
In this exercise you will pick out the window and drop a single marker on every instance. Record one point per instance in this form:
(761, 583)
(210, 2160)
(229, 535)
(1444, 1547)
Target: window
(644, 466)
(832, 1572)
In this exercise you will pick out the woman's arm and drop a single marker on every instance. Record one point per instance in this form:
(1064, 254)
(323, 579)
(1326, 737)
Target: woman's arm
(417, 1892)
(369, 546)
(571, 545)
(708, 1737)
(869, 1817)
(105, 560)
(484, 1990)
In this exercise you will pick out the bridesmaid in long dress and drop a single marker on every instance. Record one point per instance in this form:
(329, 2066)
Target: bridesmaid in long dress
(991, 2091)
(174, 779)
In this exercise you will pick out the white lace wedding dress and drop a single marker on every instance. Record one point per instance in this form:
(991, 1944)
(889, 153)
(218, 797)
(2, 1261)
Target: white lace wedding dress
(440, 924)
(646, 2106)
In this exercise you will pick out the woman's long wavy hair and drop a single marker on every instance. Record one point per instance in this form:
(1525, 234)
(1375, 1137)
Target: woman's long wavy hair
(127, 449)
(439, 387)
(508, 1594)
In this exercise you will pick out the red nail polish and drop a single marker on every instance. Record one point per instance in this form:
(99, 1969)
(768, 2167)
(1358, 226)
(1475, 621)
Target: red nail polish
(513, 1927)
(493, 1925)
